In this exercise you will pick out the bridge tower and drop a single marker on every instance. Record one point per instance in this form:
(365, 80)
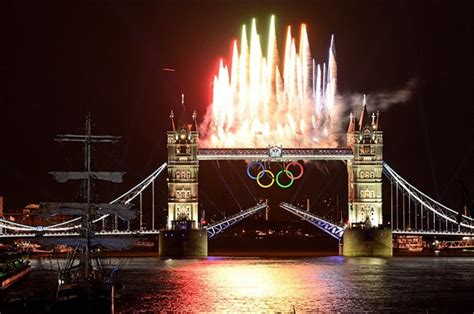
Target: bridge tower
(183, 236)
(365, 235)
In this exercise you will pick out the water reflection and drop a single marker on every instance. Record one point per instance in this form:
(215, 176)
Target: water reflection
(243, 285)
(326, 284)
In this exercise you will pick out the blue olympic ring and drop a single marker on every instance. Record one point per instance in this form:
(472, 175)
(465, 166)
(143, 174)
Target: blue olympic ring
(260, 174)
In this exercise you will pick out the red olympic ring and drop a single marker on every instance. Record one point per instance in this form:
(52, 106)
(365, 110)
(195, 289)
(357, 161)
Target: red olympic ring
(299, 165)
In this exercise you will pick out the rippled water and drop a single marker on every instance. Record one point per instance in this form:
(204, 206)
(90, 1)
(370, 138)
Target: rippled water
(309, 285)
(327, 284)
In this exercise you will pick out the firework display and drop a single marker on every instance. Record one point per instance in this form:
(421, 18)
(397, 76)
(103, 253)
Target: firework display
(263, 99)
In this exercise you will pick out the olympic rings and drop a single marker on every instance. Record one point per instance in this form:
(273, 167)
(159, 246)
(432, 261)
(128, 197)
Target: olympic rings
(258, 175)
(275, 178)
(299, 165)
(262, 174)
(289, 175)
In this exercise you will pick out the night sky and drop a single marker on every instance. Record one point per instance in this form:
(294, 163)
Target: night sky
(59, 60)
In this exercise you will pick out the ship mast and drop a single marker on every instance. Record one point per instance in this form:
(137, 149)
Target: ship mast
(87, 208)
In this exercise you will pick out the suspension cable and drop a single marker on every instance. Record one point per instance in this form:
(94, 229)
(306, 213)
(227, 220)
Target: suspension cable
(128, 197)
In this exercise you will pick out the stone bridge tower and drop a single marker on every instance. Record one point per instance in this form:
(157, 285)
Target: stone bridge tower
(365, 171)
(183, 167)
(183, 236)
(366, 235)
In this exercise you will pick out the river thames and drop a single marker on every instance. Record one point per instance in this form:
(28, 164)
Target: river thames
(325, 284)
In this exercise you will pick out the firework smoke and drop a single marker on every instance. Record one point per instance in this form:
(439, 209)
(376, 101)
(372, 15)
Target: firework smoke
(259, 101)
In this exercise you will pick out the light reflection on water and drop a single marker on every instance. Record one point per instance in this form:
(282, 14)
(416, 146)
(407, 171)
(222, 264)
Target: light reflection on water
(246, 286)
(325, 284)
(309, 284)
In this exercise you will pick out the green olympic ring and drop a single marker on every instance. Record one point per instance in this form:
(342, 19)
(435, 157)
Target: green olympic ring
(289, 175)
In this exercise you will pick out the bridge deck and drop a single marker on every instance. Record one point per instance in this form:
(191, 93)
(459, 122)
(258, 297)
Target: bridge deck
(285, 154)
(432, 233)
(115, 233)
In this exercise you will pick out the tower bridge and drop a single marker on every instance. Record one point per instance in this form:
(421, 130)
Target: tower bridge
(411, 211)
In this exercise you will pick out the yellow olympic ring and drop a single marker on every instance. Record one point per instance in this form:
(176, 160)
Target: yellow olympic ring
(260, 174)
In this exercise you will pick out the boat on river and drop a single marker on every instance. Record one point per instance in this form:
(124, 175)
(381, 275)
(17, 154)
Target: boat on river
(85, 282)
(13, 267)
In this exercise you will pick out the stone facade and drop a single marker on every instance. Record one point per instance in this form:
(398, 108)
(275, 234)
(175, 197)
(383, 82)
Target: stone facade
(183, 168)
(365, 171)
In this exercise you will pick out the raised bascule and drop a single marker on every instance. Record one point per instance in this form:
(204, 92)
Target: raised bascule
(267, 109)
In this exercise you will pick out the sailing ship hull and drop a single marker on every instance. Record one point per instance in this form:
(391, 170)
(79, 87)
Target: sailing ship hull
(8, 281)
(83, 299)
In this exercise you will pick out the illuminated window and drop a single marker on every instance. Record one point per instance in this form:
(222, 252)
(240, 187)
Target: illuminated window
(367, 193)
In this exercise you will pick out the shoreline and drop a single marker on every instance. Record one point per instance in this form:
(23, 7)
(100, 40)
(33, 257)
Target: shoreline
(264, 254)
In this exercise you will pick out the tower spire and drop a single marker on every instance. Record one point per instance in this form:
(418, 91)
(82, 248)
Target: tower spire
(351, 127)
(182, 102)
(364, 115)
(172, 120)
(195, 120)
(377, 121)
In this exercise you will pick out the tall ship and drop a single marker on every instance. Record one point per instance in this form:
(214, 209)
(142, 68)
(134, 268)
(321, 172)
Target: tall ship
(84, 282)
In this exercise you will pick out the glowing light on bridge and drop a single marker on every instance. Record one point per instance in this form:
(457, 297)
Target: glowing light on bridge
(262, 99)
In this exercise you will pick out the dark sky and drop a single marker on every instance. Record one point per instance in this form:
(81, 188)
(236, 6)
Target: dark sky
(62, 59)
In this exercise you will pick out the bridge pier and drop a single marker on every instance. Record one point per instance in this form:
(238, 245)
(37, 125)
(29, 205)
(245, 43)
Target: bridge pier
(183, 243)
(367, 242)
